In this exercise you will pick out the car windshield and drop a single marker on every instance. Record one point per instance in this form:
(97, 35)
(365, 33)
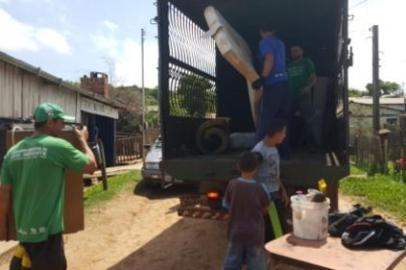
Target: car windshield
(157, 145)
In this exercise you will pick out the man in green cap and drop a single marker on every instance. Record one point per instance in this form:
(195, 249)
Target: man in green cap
(33, 178)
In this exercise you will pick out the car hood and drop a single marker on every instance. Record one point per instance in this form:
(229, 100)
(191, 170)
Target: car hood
(154, 155)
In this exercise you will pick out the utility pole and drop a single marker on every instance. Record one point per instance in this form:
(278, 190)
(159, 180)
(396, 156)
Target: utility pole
(143, 90)
(381, 152)
(375, 77)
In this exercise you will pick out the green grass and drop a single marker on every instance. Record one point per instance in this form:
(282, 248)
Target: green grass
(95, 194)
(356, 170)
(379, 191)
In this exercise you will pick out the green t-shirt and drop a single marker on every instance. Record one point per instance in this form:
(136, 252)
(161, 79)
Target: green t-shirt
(299, 74)
(35, 170)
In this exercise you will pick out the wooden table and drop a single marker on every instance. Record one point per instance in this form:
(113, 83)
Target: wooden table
(330, 254)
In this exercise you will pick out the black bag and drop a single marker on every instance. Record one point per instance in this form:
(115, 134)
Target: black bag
(374, 232)
(338, 222)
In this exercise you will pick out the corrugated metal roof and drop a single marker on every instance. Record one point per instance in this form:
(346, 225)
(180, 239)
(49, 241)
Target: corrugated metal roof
(59, 81)
(382, 101)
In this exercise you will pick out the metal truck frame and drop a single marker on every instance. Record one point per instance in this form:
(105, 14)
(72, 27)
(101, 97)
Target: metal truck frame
(186, 52)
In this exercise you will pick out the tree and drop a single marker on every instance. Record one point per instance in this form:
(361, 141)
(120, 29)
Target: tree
(194, 96)
(130, 117)
(386, 88)
(355, 93)
(129, 120)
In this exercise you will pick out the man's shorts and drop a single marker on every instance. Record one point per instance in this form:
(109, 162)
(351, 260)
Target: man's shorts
(47, 255)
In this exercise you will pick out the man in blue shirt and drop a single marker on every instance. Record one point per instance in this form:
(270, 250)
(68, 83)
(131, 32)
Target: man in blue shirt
(272, 98)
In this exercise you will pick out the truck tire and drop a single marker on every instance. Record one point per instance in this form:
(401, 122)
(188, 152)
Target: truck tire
(214, 140)
(213, 136)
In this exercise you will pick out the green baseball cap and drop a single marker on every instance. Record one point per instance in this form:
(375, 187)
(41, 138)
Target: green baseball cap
(46, 111)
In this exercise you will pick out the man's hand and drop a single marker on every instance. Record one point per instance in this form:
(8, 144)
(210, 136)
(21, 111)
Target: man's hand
(257, 85)
(81, 134)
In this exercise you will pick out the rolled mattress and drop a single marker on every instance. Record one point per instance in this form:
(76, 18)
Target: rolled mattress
(234, 49)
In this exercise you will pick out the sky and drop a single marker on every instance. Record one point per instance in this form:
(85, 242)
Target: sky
(71, 38)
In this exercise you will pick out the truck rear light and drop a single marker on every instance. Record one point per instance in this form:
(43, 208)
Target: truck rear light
(213, 195)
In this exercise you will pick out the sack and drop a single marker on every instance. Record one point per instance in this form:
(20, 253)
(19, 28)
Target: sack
(338, 222)
(374, 232)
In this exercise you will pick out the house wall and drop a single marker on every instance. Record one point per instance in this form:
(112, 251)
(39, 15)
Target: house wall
(21, 92)
(361, 117)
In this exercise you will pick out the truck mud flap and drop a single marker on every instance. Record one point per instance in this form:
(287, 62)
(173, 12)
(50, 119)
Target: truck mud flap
(197, 207)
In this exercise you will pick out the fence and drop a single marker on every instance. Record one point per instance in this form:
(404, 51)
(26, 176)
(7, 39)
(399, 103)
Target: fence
(382, 153)
(129, 147)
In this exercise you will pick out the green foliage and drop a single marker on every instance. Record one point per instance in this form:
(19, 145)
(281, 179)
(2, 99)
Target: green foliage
(387, 88)
(379, 191)
(130, 117)
(152, 118)
(151, 97)
(194, 97)
(95, 194)
(355, 93)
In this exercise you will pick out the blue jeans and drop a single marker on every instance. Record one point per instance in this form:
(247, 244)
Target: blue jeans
(237, 255)
(275, 104)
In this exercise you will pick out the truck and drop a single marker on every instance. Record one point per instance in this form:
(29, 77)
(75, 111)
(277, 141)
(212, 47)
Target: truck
(190, 62)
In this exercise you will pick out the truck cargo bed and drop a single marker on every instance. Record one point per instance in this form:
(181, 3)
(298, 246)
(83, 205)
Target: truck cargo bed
(302, 168)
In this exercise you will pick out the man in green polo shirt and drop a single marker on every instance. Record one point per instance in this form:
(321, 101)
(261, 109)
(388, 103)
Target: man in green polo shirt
(33, 176)
(302, 78)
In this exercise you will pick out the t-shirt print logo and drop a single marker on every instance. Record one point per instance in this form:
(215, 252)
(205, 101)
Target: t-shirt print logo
(30, 153)
(273, 168)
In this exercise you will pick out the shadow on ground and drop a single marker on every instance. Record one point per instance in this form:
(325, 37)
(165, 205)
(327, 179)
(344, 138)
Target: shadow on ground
(188, 244)
(156, 193)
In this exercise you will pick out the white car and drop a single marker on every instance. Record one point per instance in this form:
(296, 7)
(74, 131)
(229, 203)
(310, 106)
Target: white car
(151, 172)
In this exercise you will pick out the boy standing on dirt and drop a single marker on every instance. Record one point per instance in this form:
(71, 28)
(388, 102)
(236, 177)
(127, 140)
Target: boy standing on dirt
(269, 175)
(247, 201)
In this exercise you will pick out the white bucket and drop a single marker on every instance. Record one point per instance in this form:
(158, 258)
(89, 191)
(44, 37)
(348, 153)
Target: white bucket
(310, 219)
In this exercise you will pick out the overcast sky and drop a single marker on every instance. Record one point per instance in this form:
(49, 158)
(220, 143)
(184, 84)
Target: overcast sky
(72, 38)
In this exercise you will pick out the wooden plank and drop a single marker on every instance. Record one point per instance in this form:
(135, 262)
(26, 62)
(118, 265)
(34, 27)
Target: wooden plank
(6, 108)
(17, 93)
(332, 254)
(31, 94)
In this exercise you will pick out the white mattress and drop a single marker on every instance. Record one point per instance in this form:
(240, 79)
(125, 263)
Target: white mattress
(233, 48)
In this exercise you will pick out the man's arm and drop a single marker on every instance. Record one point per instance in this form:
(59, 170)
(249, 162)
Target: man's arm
(312, 71)
(310, 83)
(312, 80)
(5, 196)
(268, 65)
(82, 136)
(266, 71)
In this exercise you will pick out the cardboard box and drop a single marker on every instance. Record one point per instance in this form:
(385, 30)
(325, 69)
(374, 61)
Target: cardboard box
(74, 209)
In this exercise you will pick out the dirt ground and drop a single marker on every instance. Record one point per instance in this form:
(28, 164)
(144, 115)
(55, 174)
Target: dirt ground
(144, 232)
(137, 232)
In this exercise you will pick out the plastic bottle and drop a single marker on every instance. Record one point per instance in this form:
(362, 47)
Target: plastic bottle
(322, 185)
